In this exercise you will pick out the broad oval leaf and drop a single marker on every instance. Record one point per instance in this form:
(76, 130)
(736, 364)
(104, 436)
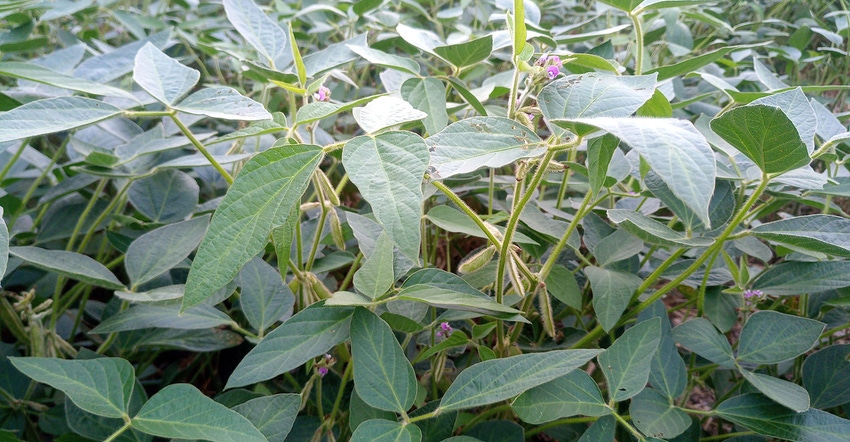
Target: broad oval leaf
(162, 76)
(653, 231)
(384, 112)
(181, 411)
(783, 392)
(53, 115)
(310, 333)
(699, 336)
(612, 292)
(449, 298)
(388, 170)
(383, 376)
(428, 95)
(264, 298)
(760, 414)
(223, 102)
(100, 386)
(143, 316)
(595, 94)
(259, 31)
(159, 250)
(498, 142)
(272, 415)
(570, 395)
(386, 60)
(376, 275)
(797, 278)
(654, 415)
(48, 76)
(467, 53)
(626, 363)
(765, 135)
(797, 107)
(826, 376)
(167, 196)
(260, 199)
(382, 430)
(668, 374)
(70, 264)
(499, 379)
(769, 337)
(674, 150)
(820, 233)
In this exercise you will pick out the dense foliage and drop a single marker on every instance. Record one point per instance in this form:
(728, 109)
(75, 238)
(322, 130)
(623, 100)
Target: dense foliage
(432, 220)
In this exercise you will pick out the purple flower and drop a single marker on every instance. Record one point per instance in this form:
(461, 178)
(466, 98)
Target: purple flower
(554, 60)
(322, 371)
(445, 329)
(752, 293)
(323, 94)
(552, 71)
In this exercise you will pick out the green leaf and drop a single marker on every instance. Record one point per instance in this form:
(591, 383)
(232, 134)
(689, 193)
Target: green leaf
(317, 110)
(385, 112)
(654, 415)
(797, 278)
(600, 150)
(499, 379)
(668, 374)
(765, 135)
(383, 376)
(453, 299)
(674, 149)
(623, 5)
(260, 199)
(626, 363)
(593, 95)
(264, 298)
(181, 411)
(656, 107)
(4, 245)
(601, 430)
(100, 386)
(464, 92)
(691, 64)
(457, 339)
(272, 415)
(376, 276)
(720, 209)
(618, 246)
(498, 142)
(819, 233)
(45, 75)
(455, 221)
(380, 430)
(769, 337)
(159, 250)
(762, 415)
(562, 284)
(467, 53)
(53, 115)
(797, 107)
(699, 336)
(310, 333)
(73, 265)
(386, 60)
(783, 392)
(574, 394)
(167, 196)
(428, 95)
(296, 58)
(612, 292)
(653, 231)
(826, 376)
(162, 76)
(387, 170)
(422, 39)
(516, 23)
(224, 103)
(143, 316)
(259, 31)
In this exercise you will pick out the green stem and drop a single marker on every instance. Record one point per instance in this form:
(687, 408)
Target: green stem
(556, 251)
(467, 210)
(346, 376)
(638, 42)
(14, 159)
(628, 426)
(35, 185)
(713, 249)
(118, 432)
(201, 148)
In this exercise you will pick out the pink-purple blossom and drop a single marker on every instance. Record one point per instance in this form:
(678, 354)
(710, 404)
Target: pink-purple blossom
(323, 94)
(445, 329)
(552, 72)
(322, 371)
(752, 293)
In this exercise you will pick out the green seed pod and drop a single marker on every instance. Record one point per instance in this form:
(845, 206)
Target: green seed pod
(12, 321)
(336, 229)
(544, 306)
(477, 260)
(327, 188)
